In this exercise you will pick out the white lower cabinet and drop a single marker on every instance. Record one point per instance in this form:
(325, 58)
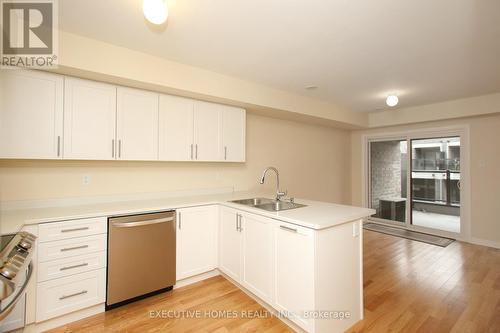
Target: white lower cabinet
(196, 241)
(294, 268)
(258, 255)
(309, 276)
(64, 295)
(230, 243)
(71, 266)
(68, 266)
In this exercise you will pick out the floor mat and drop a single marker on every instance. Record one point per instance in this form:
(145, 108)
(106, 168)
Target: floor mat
(413, 235)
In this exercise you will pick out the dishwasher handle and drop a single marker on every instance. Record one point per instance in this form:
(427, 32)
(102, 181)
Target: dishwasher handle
(142, 223)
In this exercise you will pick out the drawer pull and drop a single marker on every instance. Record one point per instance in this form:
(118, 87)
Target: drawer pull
(73, 295)
(288, 229)
(74, 248)
(75, 229)
(74, 266)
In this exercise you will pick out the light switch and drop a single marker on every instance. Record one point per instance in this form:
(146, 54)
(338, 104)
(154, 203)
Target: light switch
(86, 180)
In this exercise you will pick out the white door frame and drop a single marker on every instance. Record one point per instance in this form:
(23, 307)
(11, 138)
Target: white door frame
(463, 132)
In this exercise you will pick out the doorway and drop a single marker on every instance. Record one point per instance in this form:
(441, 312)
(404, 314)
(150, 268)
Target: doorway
(415, 181)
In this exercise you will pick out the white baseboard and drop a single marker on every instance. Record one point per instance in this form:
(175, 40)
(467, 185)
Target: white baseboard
(63, 320)
(484, 242)
(196, 278)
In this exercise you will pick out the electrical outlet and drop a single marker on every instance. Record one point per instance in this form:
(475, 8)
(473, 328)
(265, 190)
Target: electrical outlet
(355, 229)
(86, 180)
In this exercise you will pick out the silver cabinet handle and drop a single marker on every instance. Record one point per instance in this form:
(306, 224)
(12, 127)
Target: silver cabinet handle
(237, 223)
(196, 151)
(58, 146)
(75, 229)
(241, 228)
(74, 248)
(225, 152)
(288, 229)
(180, 221)
(73, 295)
(191, 151)
(142, 223)
(74, 266)
(120, 148)
(113, 148)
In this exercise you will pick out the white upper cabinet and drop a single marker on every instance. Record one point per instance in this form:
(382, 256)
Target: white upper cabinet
(89, 120)
(31, 114)
(207, 131)
(136, 125)
(176, 129)
(49, 116)
(196, 240)
(233, 134)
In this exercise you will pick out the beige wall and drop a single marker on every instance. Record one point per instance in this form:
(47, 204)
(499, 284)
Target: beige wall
(312, 161)
(484, 170)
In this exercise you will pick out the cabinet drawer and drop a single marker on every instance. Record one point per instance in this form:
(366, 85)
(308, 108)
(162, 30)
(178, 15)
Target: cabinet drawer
(61, 296)
(52, 231)
(71, 247)
(54, 269)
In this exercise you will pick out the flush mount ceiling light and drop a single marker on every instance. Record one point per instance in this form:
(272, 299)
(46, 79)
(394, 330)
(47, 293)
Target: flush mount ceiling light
(155, 11)
(392, 100)
(311, 87)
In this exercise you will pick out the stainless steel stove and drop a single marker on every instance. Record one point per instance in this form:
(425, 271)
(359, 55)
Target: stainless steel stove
(16, 269)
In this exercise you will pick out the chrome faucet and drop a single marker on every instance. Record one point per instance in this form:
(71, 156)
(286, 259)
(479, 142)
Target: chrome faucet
(279, 194)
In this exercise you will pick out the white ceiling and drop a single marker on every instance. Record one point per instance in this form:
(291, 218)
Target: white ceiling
(355, 51)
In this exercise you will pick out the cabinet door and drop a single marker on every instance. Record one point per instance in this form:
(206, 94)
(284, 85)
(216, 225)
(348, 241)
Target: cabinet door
(137, 124)
(294, 282)
(196, 241)
(233, 134)
(258, 255)
(229, 243)
(89, 120)
(31, 114)
(176, 128)
(207, 131)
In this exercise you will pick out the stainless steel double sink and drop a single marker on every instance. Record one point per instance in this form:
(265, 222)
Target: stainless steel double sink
(268, 204)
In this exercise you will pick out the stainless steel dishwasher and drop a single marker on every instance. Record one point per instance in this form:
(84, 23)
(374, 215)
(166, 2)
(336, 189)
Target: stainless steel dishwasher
(141, 257)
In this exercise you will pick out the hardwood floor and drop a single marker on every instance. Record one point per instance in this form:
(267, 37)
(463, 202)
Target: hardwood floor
(409, 287)
(210, 297)
(417, 287)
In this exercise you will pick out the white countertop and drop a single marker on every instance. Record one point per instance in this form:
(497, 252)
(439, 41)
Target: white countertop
(317, 215)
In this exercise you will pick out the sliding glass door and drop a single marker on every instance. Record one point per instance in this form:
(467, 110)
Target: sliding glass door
(414, 182)
(435, 183)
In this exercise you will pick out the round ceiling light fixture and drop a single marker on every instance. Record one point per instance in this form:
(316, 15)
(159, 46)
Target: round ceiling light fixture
(392, 100)
(155, 11)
